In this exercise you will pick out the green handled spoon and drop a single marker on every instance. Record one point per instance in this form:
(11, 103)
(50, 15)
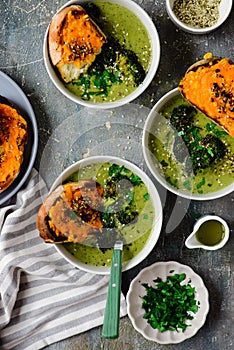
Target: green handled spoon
(111, 318)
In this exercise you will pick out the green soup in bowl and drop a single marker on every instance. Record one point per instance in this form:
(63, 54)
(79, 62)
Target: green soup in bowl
(127, 62)
(132, 212)
(186, 151)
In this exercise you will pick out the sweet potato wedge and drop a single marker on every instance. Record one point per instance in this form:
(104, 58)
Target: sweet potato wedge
(74, 40)
(71, 213)
(209, 86)
(13, 137)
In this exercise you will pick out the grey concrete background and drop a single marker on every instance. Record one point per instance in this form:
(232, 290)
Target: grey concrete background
(68, 132)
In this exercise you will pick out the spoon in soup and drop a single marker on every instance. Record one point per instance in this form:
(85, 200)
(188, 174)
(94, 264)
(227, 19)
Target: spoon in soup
(86, 213)
(110, 327)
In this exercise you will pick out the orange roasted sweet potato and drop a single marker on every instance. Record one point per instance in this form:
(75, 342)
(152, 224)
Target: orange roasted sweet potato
(71, 213)
(209, 86)
(74, 40)
(13, 137)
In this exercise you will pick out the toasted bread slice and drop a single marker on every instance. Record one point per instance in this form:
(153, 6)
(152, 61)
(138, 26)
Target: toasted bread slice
(209, 86)
(13, 137)
(74, 41)
(71, 213)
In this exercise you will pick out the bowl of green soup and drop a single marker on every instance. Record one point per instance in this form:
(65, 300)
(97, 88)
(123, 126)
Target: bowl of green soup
(127, 62)
(186, 151)
(131, 211)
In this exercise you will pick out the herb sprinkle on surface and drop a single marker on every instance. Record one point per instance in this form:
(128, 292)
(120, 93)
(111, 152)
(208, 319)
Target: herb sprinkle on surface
(197, 13)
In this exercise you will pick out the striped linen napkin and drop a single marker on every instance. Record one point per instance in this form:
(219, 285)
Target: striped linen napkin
(43, 299)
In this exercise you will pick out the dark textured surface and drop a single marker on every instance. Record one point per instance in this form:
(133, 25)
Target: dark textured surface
(23, 25)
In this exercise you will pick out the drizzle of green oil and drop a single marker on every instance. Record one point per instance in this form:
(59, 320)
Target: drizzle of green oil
(210, 233)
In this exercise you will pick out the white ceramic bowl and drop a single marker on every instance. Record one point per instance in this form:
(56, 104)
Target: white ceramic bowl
(155, 53)
(224, 11)
(136, 312)
(151, 122)
(156, 225)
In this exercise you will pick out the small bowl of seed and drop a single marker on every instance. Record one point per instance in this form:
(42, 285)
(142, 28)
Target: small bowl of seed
(198, 16)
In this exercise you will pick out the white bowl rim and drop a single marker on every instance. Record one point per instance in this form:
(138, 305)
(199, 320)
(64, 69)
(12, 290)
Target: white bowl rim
(155, 233)
(195, 30)
(202, 197)
(155, 58)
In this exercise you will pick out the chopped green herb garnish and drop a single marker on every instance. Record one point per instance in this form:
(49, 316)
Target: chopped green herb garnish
(115, 169)
(135, 180)
(171, 181)
(212, 127)
(200, 184)
(209, 150)
(168, 305)
(203, 151)
(195, 133)
(219, 133)
(102, 80)
(126, 171)
(164, 163)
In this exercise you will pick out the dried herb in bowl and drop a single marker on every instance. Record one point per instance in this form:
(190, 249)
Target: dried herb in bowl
(170, 304)
(197, 13)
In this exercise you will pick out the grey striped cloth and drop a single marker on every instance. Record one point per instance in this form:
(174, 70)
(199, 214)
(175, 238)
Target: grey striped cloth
(43, 299)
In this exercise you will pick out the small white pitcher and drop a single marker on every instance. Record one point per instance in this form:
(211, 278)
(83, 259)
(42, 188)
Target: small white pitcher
(192, 241)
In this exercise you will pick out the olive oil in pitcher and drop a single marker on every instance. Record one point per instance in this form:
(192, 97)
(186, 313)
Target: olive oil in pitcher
(210, 233)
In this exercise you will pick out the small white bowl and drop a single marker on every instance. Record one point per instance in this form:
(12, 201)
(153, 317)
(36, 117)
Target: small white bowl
(151, 123)
(156, 225)
(225, 7)
(136, 313)
(155, 53)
